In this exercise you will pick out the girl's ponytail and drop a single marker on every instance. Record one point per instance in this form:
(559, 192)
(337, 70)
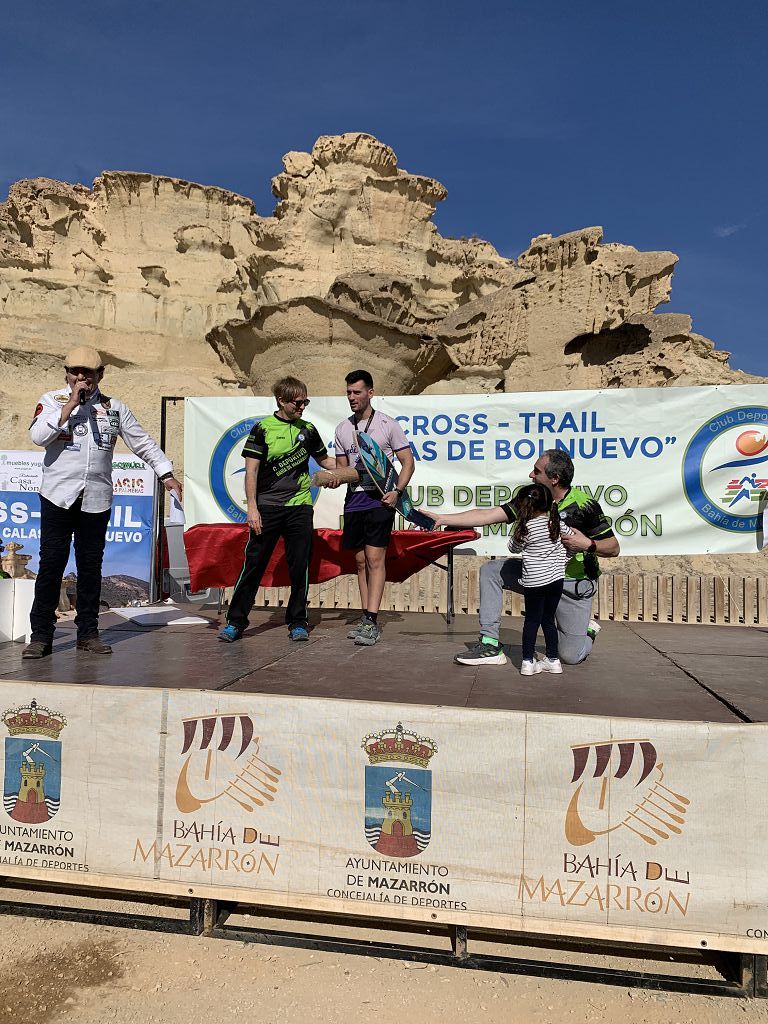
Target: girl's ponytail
(554, 522)
(532, 500)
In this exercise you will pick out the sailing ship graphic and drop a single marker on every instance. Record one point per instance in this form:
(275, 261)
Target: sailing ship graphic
(225, 763)
(625, 789)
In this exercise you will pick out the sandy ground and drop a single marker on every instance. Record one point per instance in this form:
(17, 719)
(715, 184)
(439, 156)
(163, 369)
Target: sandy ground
(58, 971)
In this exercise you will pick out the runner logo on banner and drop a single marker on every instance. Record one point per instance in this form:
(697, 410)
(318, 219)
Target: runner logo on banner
(721, 474)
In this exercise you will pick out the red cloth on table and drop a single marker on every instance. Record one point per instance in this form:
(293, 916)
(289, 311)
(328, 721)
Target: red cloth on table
(215, 554)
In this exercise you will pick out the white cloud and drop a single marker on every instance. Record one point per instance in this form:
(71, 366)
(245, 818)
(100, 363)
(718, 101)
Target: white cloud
(726, 230)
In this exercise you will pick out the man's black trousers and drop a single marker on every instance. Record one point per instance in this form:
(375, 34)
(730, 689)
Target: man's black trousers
(294, 524)
(57, 528)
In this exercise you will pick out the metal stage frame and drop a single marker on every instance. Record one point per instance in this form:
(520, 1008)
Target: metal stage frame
(744, 975)
(159, 524)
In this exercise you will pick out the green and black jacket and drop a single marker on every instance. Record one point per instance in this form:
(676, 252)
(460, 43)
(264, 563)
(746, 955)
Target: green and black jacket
(283, 449)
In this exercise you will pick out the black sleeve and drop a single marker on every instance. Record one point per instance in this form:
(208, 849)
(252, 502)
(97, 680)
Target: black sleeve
(509, 511)
(315, 444)
(256, 446)
(595, 524)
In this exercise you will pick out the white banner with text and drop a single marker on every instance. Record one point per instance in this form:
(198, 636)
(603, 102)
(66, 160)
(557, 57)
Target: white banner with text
(677, 470)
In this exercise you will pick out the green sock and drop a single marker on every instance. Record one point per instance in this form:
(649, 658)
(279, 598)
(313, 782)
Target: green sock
(491, 641)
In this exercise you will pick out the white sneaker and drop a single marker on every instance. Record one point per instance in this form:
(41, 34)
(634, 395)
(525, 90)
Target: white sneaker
(530, 668)
(550, 665)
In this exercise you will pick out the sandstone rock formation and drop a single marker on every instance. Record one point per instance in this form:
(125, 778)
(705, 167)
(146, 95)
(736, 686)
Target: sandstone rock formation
(187, 290)
(137, 267)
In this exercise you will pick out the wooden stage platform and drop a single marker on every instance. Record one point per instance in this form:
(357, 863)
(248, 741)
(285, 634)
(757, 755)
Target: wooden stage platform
(637, 670)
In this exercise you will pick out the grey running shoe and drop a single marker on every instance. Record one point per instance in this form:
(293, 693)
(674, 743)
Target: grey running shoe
(353, 632)
(368, 634)
(482, 654)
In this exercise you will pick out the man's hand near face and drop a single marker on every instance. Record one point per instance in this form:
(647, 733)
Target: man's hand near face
(78, 387)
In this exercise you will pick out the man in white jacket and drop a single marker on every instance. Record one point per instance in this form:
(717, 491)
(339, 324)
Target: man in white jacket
(79, 426)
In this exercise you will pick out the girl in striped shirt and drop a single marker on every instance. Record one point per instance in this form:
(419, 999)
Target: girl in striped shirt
(537, 532)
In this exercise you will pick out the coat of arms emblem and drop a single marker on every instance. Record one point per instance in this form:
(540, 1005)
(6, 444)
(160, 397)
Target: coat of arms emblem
(398, 792)
(32, 783)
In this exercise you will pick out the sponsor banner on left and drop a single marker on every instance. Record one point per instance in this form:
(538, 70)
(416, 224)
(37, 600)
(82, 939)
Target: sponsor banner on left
(128, 552)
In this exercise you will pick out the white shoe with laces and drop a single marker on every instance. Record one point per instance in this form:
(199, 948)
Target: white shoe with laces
(530, 668)
(550, 665)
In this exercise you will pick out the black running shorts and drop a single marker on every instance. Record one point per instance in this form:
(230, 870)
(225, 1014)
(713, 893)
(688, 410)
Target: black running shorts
(371, 527)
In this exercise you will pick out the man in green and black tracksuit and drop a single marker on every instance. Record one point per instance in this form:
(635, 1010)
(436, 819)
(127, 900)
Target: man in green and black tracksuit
(277, 454)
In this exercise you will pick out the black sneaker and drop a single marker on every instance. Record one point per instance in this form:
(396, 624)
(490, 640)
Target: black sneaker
(482, 654)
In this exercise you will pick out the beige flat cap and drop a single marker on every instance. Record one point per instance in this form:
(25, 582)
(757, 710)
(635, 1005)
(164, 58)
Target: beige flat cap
(83, 355)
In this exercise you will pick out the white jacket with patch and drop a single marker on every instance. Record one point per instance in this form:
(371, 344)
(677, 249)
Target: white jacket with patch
(79, 452)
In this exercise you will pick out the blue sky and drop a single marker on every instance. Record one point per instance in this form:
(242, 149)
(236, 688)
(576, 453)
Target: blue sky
(649, 119)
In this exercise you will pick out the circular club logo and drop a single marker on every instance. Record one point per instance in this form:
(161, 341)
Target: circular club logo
(725, 468)
(226, 474)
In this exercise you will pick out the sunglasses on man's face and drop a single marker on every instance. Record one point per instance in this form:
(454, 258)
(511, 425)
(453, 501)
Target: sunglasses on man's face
(85, 371)
(299, 402)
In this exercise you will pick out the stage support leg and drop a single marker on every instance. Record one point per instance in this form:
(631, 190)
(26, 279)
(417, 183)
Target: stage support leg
(196, 917)
(761, 976)
(449, 589)
(750, 972)
(210, 915)
(202, 916)
(458, 933)
(745, 972)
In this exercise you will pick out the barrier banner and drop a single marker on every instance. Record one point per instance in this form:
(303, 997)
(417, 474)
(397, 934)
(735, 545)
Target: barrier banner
(677, 470)
(585, 826)
(127, 566)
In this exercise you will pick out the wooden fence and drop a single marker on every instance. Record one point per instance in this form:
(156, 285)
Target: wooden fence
(726, 600)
